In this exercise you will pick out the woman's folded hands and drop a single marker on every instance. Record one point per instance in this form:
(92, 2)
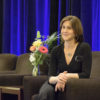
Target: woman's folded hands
(61, 81)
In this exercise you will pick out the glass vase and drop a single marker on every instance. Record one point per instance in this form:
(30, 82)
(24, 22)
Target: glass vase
(35, 71)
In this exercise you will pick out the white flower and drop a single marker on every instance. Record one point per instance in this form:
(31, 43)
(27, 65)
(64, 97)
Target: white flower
(32, 57)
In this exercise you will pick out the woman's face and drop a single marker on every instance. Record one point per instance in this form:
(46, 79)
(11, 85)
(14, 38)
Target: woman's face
(67, 32)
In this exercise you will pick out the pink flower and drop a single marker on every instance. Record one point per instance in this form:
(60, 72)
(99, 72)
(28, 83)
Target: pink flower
(43, 49)
(32, 48)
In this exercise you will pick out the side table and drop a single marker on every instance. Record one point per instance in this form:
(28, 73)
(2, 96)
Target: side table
(0, 94)
(14, 90)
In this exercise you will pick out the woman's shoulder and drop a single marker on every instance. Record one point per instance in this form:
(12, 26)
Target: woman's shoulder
(57, 48)
(84, 45)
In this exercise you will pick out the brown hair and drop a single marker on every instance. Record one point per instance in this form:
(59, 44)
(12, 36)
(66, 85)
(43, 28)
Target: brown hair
(76, 25)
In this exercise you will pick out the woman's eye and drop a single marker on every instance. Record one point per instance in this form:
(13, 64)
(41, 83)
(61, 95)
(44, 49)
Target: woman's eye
(69, 28)
(63, 27)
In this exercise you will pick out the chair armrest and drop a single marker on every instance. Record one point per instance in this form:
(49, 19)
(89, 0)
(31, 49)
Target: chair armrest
(32, 85)
(11, 80)
(83, 89)
(8, 72)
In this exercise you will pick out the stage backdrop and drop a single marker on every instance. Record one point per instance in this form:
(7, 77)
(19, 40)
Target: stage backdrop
(22, 18)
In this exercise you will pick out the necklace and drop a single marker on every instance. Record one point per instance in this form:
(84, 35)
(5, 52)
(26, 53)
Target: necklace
(72, 50)
(69, 54)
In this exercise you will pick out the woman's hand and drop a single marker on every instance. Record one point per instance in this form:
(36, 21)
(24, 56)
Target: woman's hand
(60, 87)
(62, 79)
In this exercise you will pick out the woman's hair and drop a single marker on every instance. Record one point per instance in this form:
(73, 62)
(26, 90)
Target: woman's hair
(76, 25)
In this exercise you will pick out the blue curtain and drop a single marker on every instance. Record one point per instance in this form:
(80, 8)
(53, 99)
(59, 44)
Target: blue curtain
(15, 22)
(1, 23)
(96, 25)
(89, 13)
(82, 9)
(22, 18)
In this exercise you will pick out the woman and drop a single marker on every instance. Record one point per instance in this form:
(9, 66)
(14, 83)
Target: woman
(70, 60)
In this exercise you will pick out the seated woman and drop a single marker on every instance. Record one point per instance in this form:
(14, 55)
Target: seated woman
(70, 60)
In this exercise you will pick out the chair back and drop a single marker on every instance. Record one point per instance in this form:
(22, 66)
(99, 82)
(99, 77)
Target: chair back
(95, 71)
(7, 62)
(23, 66)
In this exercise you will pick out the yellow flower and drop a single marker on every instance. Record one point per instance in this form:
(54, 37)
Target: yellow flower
(37, 43)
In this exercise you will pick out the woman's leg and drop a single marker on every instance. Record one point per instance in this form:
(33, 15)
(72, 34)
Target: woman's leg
(47, 92)
(35, 97)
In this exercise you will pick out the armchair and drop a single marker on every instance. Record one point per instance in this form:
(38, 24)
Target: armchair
(76, 89)
(13, 68)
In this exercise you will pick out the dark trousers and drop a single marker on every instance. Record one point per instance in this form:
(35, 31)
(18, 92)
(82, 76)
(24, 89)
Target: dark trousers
(47, 92)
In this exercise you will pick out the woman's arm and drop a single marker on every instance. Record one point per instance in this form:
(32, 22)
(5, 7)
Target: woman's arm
(53, 66)
(72, 75)
(86, 62)
(53, 79)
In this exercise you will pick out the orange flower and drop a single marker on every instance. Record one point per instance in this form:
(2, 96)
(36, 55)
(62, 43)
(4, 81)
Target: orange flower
(32, 48)
(43, 49)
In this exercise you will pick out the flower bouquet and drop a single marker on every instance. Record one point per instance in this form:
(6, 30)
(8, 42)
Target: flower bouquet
(39, 50)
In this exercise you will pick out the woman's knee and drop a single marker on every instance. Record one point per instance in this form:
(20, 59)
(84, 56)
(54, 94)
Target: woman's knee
(47, 90)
